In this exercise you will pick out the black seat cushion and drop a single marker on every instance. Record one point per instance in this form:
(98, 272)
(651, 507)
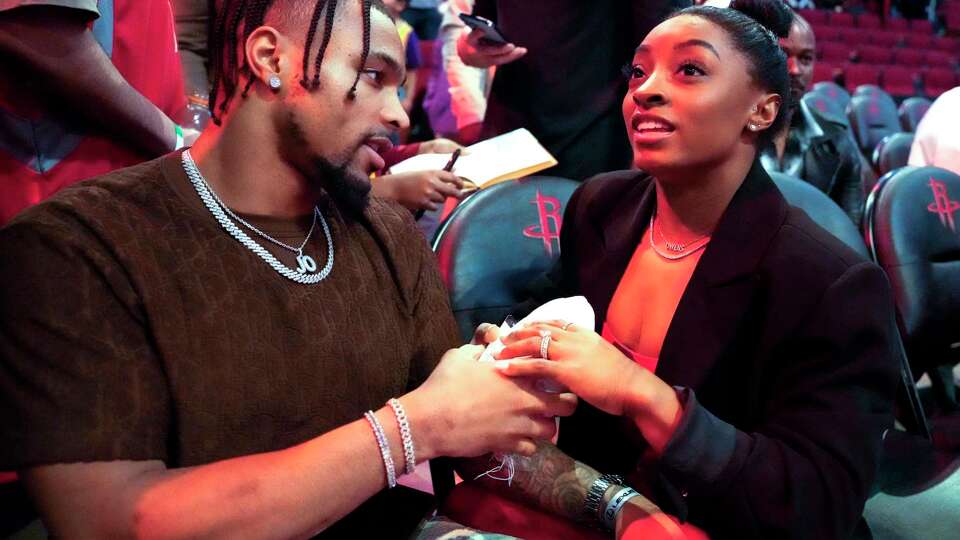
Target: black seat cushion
(496, 242)
(911, 112)
(892, 152)
(872, 117)
(821, 209)
(913, 231)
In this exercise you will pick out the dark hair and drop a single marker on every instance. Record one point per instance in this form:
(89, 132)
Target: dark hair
(228, 64)
(754, 27)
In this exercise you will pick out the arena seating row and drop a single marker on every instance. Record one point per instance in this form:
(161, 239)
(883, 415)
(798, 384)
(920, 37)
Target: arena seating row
(902, 56)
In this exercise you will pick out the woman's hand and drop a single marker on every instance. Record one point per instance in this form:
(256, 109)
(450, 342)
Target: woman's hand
(419, 190)
(578, 358)
(598, 373)
(440, 146)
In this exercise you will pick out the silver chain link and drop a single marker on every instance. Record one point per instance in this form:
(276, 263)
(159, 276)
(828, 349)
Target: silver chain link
(218, 208)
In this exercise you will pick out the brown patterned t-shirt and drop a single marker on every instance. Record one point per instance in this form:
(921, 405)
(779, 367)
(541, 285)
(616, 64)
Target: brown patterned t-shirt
(133, 327)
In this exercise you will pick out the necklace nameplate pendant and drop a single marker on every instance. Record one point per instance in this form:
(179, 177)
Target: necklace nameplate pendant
(306, 264)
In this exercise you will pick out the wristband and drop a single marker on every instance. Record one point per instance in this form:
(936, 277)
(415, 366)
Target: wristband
(179, 131)
(616, 503)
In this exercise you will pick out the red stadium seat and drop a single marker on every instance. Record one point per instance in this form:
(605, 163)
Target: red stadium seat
(872, 54)
(856, 36)
(948, 44)
(911, 58)
(814, 16)
(885, 38)
(940, 59)
(938, 80)
(869, 20)
(897, 24)
(921, 25)
(841, 19)
(898, 81)
(827, 33)
(823, 71)
(837, 52)
(919, 41)
(859, 74)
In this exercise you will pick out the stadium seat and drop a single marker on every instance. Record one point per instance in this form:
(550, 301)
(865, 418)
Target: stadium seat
(814, 16)
(912, 233)
(856, 36)
(896, 23)
(869, 20)
(892, 152)
(823, 71)
(875, 54)
(909, 57)
(938, 80)
(948, 44)
(821, 209)
(831, 108)
(836, 52)
(939, 59)
(885, 38)
(861, 74)
(833, 92)
(496, 242)
(827, 33)
(841, 19)
(919, 41)
(872, 118)
(911, 111)
(922, 26)
(899, 81)
(868, 90)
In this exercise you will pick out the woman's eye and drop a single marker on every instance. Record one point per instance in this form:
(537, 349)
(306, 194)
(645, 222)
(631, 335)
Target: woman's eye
(633, 72)
(691, 70)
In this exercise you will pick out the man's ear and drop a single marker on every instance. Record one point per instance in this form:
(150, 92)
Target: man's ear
(266, 51)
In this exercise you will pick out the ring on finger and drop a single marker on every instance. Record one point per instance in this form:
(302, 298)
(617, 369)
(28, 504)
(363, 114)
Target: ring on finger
(545, 344)
(566, 325)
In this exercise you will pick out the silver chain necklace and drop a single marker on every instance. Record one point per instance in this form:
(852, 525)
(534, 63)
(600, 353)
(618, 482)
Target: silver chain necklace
(305, 263)
(677, 248)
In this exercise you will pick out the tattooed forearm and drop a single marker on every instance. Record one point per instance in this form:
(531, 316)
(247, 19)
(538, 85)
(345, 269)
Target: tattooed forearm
(549, 479)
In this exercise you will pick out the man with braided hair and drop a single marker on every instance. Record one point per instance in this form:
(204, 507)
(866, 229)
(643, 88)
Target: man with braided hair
(203, 345)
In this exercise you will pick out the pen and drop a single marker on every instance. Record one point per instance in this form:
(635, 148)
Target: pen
(453, 160)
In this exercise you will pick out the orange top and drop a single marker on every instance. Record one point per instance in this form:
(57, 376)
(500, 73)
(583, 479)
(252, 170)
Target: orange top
(645, 300)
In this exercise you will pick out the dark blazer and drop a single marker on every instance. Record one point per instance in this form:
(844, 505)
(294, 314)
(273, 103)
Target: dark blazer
(781, 348)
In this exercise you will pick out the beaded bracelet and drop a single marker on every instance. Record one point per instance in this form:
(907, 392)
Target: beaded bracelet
(384, 445)
(409, 455)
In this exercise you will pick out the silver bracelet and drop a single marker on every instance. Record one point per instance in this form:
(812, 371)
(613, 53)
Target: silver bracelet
(409, 455)
(384, 445)
(613, 507)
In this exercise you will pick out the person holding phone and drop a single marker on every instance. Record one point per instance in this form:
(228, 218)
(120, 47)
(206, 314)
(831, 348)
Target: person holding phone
(559, 74)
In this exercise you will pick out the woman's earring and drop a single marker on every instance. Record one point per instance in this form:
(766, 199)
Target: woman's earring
(274, 82)
(753, 127)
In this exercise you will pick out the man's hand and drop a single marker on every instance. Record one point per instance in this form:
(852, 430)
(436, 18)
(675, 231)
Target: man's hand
(419, 190)
(467, 409)
(476, 54)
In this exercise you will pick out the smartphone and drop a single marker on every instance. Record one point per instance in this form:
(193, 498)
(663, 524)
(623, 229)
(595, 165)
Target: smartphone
(491, 35)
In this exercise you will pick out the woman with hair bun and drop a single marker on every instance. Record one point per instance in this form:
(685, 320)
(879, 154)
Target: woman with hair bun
(742, 372)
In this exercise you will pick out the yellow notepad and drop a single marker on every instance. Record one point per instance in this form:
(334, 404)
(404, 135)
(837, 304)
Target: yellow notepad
(512, 155)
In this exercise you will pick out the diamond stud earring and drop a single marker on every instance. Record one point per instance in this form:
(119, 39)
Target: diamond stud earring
(274, 82)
